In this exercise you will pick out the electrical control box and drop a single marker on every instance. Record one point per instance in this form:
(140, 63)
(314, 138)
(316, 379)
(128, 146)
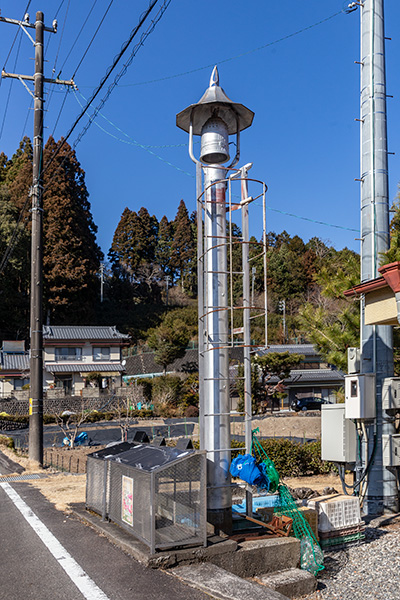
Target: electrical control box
(391, 450)
(360, 396)
(391, 393)
(338, 435)
(353, 360)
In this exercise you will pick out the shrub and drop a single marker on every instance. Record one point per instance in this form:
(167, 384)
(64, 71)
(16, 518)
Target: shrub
(167, 388)
(191, 412)
(7, 441)
(293, 459)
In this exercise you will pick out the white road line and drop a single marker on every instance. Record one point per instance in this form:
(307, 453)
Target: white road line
(85, 585)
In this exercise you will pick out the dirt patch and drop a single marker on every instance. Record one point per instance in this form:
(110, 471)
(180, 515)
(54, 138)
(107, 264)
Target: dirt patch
(62, 489)
(295, 425)
(317, 482)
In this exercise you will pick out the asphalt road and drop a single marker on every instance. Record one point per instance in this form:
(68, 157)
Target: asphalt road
(69, 557)
(102, 433)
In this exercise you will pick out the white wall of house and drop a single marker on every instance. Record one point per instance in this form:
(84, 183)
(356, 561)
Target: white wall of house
(96, 353)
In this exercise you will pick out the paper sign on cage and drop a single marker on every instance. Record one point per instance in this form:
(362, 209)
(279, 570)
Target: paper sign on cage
(127, 500)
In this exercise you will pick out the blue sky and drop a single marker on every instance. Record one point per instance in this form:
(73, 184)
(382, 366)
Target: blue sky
(304, 90)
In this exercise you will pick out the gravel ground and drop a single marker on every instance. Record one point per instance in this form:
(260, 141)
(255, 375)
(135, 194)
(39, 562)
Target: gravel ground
(369, 571)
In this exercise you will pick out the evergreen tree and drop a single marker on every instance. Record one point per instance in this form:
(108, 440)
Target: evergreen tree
(120, 253)
(71, 254)
(330, 320)
(183, 245)
(393, 254)
(163, 250)
(169, 343)
(18, 173)
(14, 300)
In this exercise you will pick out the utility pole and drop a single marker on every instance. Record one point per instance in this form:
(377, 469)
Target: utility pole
(36, 296)
(376, 340)
(101, 282)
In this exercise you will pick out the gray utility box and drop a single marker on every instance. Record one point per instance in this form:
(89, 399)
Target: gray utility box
(391, 393)
(338, 435)
(360, 396)
(157, 493)
(391, 450)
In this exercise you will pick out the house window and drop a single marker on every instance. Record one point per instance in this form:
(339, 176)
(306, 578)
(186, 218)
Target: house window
(101, 353)
(68, 354)
(19, 383)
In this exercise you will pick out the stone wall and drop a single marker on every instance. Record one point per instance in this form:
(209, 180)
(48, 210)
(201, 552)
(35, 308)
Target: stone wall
(13, 406)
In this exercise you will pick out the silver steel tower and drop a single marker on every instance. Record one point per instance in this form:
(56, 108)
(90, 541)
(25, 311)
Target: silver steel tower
(214, 118)
(376, 340)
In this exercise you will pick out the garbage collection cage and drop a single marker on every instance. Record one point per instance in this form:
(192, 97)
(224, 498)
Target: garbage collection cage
(156, 493)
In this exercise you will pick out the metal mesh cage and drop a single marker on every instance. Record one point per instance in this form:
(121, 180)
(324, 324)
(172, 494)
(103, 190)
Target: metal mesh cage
(96, 484)
(179, 505)
(163, 504)
(129, 500)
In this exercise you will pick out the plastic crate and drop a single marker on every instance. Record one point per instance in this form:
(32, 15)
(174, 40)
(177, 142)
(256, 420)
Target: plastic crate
(324, 535)
(336, 512)
(334, 543)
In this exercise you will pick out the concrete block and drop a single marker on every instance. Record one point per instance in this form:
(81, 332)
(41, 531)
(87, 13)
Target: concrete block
(258, 557)
(218, 583)
(291, 582)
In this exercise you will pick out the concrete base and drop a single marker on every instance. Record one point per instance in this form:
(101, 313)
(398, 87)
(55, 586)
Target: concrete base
(166, 559)
(291, 583)
(221, 569)
(218, 583)
(258, 557)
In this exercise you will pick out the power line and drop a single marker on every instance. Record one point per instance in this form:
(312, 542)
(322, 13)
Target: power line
(10, 88)
(102, 83)
(93, 37)
(134, 32)
(80, 31)
(231, 58)
(15, 38)
(58, 52)
(84, 54)
(125, 46)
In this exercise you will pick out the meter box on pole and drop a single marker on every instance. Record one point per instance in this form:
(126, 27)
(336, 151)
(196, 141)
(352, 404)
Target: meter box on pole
(360, 396)
(391, 450)
(391, 393)
(338, 435)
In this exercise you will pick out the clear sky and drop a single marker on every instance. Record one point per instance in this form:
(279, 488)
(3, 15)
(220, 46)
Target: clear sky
(303, 88)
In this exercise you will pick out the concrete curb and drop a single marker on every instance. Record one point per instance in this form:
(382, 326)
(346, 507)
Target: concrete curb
(10, 465)
(193, 570)
(223, 585)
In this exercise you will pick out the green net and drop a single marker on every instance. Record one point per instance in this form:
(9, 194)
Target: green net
(312, 558)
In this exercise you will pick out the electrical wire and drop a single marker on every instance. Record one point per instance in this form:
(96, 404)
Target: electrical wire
(79, 34)
(15, 38)
(84, 54)
(133, 142)
(125, 46)
(134, 32)
(231, 58)
(11, 86)
(57, 54)
(26, 119)
(93, 38)
(148, 148)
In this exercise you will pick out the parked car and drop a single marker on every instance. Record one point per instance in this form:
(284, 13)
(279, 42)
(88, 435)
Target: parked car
(307, 404)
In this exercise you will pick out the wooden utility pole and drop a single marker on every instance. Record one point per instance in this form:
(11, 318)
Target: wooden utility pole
(36, 295)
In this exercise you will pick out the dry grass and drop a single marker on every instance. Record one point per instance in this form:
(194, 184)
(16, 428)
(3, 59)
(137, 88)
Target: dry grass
(62, 489)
